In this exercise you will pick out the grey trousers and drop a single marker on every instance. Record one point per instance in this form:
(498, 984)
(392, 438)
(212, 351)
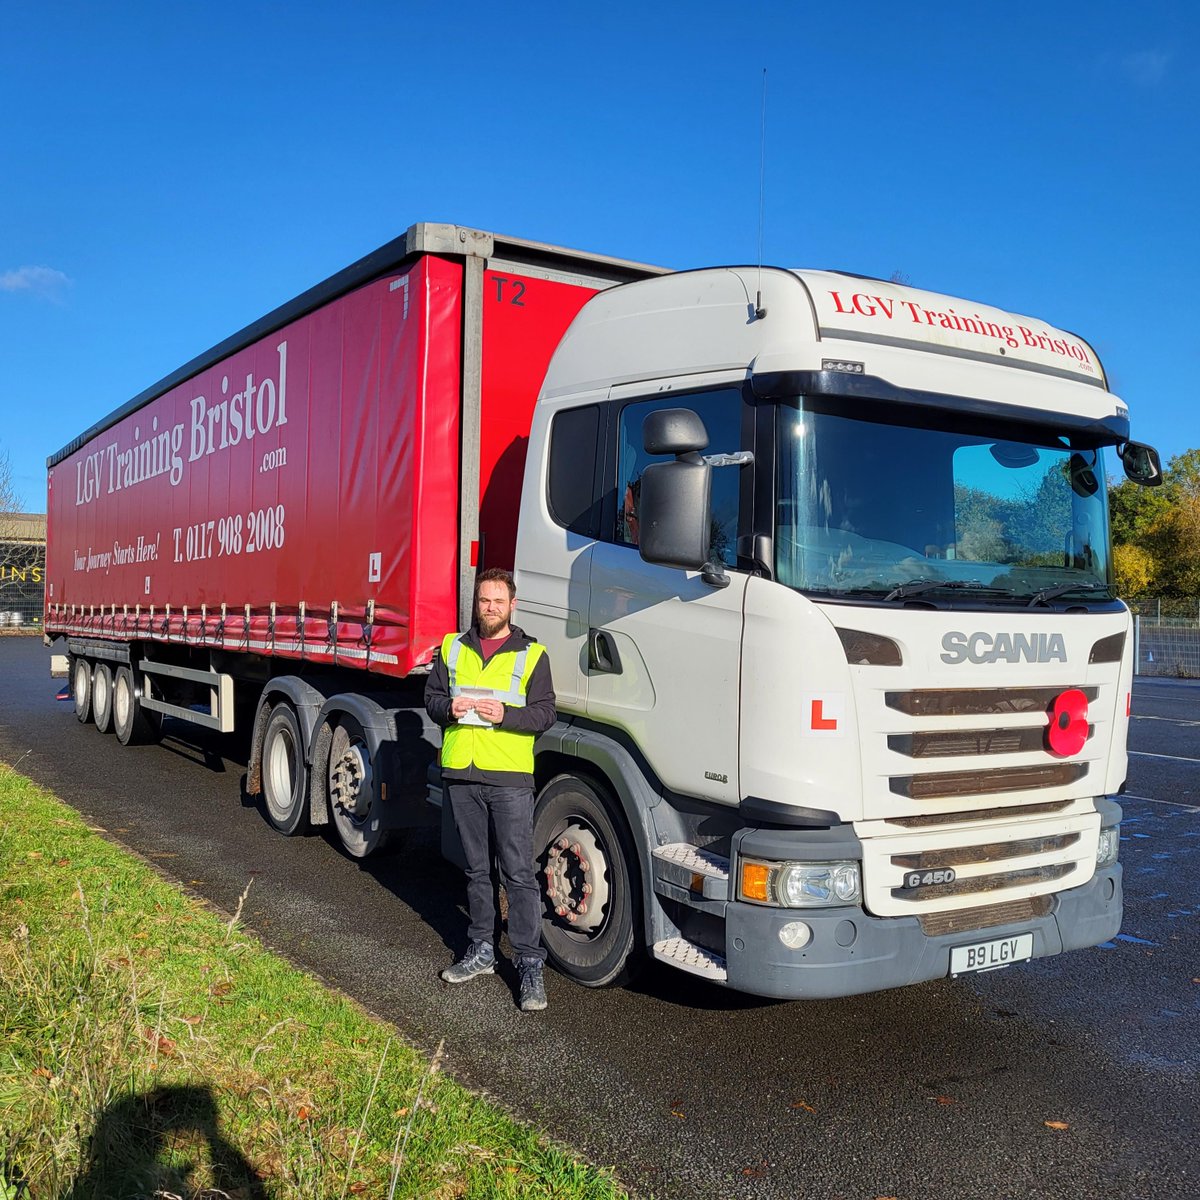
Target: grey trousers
(499, 820)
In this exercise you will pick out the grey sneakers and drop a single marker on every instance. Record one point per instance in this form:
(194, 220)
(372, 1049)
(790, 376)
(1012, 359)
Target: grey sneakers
(480, 959)
(532, 996)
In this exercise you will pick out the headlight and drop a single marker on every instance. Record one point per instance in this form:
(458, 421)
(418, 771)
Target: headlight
(1109, 844)
(800, 885)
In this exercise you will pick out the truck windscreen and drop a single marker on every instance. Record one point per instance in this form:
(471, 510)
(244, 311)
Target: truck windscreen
(867, 506)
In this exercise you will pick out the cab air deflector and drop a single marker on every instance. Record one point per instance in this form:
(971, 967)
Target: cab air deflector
(784, 385)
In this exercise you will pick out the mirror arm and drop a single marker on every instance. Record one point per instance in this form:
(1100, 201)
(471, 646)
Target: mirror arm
(740, 458)
(713, 572)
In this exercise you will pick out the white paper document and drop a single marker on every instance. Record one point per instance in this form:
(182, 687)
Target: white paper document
(475, 693)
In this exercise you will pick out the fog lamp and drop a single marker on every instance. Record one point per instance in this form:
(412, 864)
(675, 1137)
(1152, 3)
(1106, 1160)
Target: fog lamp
(1108, 846)
(795, 935)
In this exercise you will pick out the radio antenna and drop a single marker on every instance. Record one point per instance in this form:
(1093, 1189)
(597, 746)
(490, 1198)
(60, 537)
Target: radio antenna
(759, 311)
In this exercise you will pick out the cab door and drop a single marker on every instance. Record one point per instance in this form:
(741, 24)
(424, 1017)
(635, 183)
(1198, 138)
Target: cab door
(560, 520)
(664, 647)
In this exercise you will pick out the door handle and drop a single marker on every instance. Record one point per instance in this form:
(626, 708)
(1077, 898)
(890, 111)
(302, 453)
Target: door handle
(603, 658)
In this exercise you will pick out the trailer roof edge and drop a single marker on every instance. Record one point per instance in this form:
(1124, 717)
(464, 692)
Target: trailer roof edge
(425, 237)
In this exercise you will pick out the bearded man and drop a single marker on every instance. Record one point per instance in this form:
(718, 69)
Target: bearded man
(491, 691)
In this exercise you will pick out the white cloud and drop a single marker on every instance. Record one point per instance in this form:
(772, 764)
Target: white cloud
(1146, 68)
(37, 281)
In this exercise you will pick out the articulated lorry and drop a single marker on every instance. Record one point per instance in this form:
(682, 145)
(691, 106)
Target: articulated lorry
(822, 564)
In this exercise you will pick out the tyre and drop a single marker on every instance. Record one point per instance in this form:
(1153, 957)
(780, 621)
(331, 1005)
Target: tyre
(131, 722)
(353, 804)
(592, 912)
(102, 697)
(284, 772)
(81, 689)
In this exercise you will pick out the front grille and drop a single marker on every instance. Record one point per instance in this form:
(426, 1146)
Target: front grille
(985, 783)
(989, 916)
(1016, 812)
(975, 702)
(957, 856)
(969, 742)
(975, 884)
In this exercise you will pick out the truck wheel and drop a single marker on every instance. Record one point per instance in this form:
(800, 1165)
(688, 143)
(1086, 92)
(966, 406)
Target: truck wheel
(352, 791)
(284, 772)
(585, 858)
(102, 697)
(81, 689)
(132, 723)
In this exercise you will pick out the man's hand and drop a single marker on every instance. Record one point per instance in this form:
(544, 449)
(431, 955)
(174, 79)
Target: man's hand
(461, 705)
(490, 710)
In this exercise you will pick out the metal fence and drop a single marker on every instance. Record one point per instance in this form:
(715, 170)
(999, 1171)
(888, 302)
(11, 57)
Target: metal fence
(20, 614)
(22, 572)
(1166, 638)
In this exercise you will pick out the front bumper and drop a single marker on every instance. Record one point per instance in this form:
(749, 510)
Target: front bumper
(852, 952)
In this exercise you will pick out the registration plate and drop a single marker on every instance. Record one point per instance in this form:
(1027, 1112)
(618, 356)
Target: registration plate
(989, 956)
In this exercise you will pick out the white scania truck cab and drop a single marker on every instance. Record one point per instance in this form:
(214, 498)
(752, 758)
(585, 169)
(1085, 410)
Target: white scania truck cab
(843, 681)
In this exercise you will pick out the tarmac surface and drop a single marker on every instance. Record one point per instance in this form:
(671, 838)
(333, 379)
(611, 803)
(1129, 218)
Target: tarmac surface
(939, 1090)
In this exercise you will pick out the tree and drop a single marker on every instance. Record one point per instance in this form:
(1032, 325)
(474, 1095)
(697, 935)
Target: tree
(1175, 542)
(1156, 531)
(1135, 570)
(1183, 476)
(10, 505)
(979, 525)
(8, 491)
(22, 557)
(1039, 518)
(1134, 510)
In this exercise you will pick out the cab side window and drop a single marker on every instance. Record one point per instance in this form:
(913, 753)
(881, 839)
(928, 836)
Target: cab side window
(721, 412)
(574, 488)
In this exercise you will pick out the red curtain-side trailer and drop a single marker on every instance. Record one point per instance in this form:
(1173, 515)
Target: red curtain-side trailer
(323, 486)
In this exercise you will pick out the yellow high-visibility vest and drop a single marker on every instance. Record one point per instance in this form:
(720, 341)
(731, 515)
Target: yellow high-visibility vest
(506, 675)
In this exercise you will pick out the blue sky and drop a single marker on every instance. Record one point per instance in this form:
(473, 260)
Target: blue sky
(169, 173)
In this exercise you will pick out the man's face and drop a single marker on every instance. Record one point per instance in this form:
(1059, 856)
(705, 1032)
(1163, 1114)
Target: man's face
(493, 608)
(629, 513)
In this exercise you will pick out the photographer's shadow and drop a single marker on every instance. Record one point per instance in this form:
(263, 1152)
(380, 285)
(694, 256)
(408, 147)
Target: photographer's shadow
(158, 1142)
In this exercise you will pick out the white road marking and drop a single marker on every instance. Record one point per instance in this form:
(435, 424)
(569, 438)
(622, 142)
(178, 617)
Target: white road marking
(1169, 720)
(1172, 757)
(1173, 803)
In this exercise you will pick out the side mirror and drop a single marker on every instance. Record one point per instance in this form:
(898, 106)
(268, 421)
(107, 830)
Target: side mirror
(675, 497)
(1141, 463)
(673, 431)
(673, 513)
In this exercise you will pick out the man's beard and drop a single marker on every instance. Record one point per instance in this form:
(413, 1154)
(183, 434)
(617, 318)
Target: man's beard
(490, 626)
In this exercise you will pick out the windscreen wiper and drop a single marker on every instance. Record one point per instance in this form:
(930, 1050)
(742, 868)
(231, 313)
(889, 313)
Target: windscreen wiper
(1063, 589)
(916, 587)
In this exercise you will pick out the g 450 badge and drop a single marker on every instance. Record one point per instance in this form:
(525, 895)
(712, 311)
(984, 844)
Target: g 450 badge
(924, 879)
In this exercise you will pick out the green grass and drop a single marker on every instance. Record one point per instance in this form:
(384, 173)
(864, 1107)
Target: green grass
(150, 1047)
